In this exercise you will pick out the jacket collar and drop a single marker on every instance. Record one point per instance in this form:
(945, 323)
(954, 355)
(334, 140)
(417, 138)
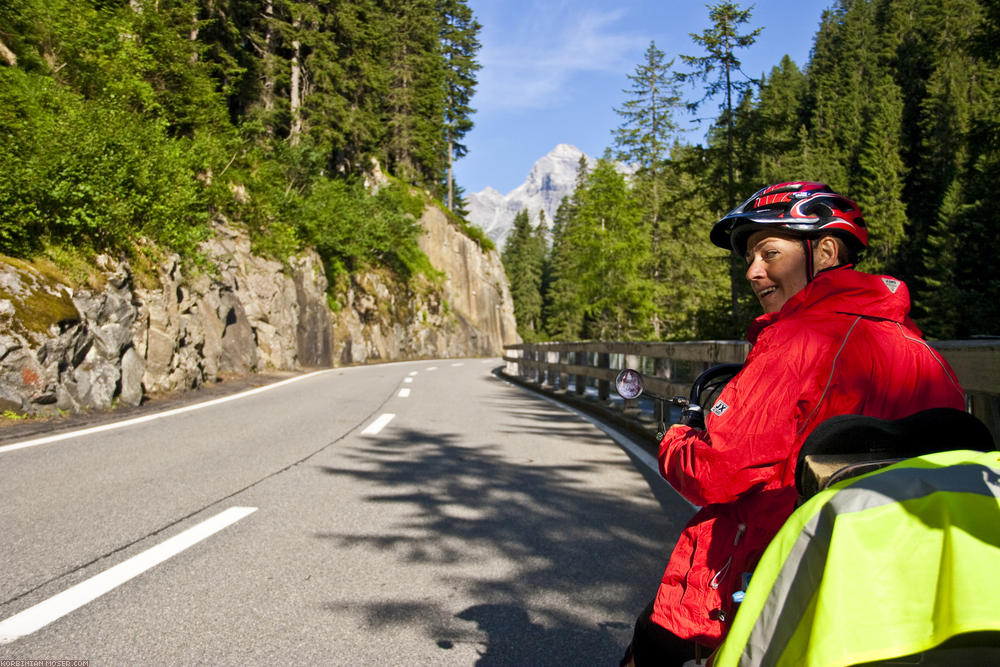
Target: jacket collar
(844, 290)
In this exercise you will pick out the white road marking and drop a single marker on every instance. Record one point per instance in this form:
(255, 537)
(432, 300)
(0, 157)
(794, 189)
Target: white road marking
(376, 426)
(407, 380)
(404, 392)
(458, 364)
(624, 442)
(43, 613)
(414, 373)
(159, 415)
(432, 368)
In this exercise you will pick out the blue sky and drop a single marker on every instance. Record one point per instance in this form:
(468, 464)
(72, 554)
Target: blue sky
(553, 71)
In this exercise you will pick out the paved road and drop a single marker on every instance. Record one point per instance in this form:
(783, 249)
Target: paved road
(481, 525)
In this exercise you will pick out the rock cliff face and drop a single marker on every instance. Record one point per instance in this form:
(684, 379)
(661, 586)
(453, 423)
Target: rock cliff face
(69, 348)
(472, 314)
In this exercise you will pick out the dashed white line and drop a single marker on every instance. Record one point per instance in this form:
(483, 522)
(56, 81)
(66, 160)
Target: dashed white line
(376, 426)
(458, 364)
(432, 368)
(408, 380)
(413, 373)
(43, 613)
(404, 392)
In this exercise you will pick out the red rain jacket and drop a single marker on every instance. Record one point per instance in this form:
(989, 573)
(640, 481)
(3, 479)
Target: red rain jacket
(843, 345)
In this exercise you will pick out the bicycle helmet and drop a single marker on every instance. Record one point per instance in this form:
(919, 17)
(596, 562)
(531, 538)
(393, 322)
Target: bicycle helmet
(802, 208)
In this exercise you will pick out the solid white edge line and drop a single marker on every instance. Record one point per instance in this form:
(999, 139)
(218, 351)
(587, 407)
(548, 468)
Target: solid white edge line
(36, 617)
(624, 442)
(159, 415)
(376, 426)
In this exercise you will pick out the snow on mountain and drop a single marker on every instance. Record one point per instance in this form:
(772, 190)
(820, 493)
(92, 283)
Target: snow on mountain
(551, 178)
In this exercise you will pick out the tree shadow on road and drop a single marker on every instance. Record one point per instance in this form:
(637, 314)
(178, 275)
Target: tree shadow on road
(582, 559)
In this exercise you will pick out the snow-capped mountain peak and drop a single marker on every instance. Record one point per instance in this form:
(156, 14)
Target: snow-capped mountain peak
(551, 178)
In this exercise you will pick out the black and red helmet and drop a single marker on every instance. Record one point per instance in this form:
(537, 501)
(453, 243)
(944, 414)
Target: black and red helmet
(800, 208)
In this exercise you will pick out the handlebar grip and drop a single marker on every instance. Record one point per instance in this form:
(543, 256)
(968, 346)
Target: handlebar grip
(693, 416)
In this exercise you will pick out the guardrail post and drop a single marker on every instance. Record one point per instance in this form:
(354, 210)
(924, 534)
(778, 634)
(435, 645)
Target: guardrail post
(513, 367)
(563, 377)
(661, 369)
(632, 361)
(551, 375)
(603, 385)
(580, 381)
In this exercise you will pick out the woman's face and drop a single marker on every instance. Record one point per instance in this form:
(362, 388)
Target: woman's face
(777, 268)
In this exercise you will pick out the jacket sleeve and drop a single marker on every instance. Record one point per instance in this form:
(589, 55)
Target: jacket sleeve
(751, 433)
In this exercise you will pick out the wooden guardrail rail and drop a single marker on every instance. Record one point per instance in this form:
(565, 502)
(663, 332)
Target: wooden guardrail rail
(669, 368)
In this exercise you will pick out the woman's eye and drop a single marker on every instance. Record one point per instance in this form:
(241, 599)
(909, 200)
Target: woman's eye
(770, 254)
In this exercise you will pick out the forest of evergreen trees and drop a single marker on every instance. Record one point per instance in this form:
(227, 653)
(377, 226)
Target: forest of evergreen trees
(129, 125)
(898, 108)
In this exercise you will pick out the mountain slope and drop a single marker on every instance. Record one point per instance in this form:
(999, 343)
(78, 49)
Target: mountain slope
(551, 178)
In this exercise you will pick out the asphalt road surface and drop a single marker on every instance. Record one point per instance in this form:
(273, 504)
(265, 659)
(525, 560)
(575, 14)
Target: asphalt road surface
(420, 513)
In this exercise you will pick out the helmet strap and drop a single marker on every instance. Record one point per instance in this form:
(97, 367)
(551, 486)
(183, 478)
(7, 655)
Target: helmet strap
(809, 260)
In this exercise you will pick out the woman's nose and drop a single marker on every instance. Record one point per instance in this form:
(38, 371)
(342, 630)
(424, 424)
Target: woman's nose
(755, 270)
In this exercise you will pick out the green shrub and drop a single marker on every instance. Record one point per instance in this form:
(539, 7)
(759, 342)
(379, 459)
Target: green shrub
(88, 172)
(352, 229)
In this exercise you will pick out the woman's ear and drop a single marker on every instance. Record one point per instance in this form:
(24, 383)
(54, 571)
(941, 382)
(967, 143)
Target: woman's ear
(826, 253)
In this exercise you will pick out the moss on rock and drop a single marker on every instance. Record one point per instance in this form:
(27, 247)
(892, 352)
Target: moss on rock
(33, 300)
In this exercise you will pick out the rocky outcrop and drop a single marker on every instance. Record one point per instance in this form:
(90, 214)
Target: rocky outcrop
(245, 314)
(470, 313)
(71, 348)
(60, 349)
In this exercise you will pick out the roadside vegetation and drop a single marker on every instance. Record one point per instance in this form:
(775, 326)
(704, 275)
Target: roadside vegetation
(128, 127)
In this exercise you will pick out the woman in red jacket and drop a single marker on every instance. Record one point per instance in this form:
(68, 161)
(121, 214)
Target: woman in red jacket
(831, 341)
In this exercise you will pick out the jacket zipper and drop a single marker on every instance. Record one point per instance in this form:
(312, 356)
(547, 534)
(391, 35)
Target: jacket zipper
(720, 575)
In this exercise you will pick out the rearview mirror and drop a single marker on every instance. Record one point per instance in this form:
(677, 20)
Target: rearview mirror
(629, 384)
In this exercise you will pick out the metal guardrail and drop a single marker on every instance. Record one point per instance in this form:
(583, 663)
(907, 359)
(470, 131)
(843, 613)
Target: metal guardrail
(669, 368)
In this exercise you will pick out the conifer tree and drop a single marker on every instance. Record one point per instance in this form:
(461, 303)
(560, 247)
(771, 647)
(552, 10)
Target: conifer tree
(643, 140)
(777, 145)
(882, 174)
(459, 35)
(836, 96)
(608, 254)
(693, 297)
(415, 103)
(522, 260)
(943, 301)
(563, 309)
(648, 124)
(720, 43)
